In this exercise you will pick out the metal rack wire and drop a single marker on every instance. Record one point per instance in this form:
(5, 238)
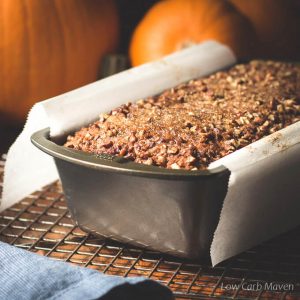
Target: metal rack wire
(41, 223)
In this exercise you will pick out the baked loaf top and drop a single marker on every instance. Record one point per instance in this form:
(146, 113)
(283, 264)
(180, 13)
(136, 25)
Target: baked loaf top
(196, 123)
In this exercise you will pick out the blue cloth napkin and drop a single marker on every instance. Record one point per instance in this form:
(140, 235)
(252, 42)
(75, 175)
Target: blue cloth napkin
(25, 275)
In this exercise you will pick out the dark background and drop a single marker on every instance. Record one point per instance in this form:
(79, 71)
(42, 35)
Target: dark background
(130, 12)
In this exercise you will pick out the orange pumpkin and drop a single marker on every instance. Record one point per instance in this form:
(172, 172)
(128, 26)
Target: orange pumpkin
(174, 24)
(48, 47)
(277, 24)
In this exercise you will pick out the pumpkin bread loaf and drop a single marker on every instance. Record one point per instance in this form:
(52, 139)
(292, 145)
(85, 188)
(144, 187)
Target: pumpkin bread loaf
(198, 122)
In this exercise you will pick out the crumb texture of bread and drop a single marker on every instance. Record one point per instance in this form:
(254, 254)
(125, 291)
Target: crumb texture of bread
(196, 123)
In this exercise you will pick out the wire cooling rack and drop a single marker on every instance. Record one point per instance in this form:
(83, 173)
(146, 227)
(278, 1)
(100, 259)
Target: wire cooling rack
(42, 224)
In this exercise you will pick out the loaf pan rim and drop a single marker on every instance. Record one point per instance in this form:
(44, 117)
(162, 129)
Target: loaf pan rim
(41, 139)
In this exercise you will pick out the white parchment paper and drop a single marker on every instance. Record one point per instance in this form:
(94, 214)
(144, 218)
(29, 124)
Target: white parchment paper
(263, 198)
(27, 168)
(264, 184)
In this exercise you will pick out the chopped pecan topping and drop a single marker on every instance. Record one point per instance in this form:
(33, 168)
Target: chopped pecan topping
(196, 123)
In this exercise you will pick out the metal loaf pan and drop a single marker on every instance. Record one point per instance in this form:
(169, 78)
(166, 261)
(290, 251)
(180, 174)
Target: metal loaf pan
(173, 211)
